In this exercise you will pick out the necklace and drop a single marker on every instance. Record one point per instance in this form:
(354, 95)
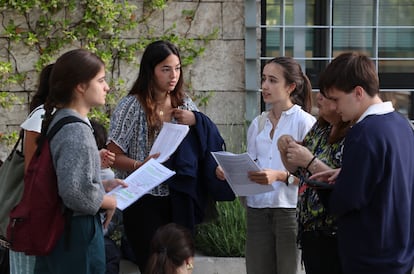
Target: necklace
(163, 104)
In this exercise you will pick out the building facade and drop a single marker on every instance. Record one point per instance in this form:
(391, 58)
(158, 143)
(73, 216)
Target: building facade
(249, 32)
(315, 31)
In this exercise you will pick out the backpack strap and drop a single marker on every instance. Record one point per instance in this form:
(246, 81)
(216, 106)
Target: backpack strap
(65, 120)
(56, 127)
(67, 212)
(262, 121)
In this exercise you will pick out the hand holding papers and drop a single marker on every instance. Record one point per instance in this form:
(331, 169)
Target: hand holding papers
(142, 180)
(152, 173)
(169, 138)
(236, 167)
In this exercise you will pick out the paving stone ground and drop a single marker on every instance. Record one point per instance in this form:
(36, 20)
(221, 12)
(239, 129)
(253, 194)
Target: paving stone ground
(207, 265)
(204, 265)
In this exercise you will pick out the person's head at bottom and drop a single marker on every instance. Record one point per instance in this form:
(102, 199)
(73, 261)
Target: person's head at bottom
(172, 251)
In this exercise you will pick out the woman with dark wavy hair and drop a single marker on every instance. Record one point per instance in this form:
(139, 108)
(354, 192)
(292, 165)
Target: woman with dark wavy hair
(158, 96)
(172, 251)
(19, 261)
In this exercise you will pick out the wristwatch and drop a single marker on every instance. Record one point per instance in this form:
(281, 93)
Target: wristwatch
(290, 179)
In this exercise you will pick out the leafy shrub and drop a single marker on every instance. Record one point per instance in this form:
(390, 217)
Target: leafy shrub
(226, 235)
(48, 28)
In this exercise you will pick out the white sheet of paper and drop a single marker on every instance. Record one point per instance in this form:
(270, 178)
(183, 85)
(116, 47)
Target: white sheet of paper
(235, 167)
(142, 180)
(167, 141)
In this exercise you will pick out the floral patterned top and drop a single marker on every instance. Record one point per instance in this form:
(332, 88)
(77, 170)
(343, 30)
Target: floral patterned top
(312, 215)
(128, 129)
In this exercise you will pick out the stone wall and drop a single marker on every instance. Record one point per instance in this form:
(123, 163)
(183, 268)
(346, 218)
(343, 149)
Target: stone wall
(219, 71)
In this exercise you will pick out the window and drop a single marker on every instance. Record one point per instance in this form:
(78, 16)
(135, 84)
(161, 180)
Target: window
(315, 31)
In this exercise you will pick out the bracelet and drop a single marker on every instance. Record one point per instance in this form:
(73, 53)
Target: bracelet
(310, 162)
(135, 165)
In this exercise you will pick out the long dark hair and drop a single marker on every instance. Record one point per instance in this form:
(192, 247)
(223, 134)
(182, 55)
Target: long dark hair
(42, 88)
(292, 72)
(74, 67)
(155, 53)
(171, 245)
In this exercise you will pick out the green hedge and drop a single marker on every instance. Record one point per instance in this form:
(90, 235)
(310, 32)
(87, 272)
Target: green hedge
(226, 235)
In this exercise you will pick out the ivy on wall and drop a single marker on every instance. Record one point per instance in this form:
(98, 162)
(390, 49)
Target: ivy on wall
(48, 28)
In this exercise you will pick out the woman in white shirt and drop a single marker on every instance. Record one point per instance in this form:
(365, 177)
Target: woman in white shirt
(19, 262)
(271, 217)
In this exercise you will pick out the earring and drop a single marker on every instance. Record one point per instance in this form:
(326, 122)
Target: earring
(190, 266)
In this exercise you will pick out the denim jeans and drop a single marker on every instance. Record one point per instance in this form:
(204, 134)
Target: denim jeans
(271, 241)
(21, 263)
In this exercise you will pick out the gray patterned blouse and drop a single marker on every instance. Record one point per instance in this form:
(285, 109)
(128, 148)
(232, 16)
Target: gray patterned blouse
(129, 131)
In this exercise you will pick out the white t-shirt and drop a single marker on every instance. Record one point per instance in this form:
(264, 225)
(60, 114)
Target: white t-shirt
(295, 122)
(34, 120)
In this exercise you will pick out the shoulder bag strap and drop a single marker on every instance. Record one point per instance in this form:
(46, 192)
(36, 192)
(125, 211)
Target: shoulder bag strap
(262, 121)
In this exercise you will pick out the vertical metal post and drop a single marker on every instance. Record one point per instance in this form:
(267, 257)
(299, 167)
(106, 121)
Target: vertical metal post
(251, 58)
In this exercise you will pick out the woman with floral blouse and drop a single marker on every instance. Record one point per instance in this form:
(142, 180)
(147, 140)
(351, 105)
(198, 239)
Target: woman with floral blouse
(320, 150)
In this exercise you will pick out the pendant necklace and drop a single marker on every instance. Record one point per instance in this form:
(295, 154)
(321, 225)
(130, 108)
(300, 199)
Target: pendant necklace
(161, 112)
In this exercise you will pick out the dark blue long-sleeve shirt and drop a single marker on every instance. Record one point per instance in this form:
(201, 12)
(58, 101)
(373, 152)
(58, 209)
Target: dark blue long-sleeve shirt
(374, 197)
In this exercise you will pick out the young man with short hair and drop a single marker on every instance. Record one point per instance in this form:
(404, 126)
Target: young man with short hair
(374, 191)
